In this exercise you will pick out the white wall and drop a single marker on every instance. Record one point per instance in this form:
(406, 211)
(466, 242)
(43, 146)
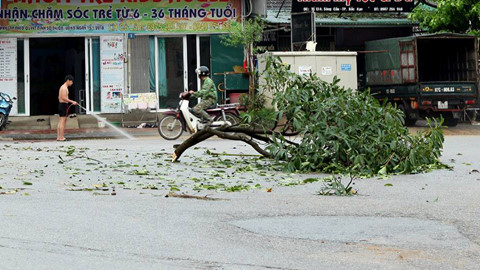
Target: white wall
(325, 65)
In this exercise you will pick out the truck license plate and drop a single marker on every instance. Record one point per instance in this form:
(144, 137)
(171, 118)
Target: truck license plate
(443, 104)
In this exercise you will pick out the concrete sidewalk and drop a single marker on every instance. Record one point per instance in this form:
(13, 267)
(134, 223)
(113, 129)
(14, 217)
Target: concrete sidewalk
(44, 127)
(76, 134)
(80, 121)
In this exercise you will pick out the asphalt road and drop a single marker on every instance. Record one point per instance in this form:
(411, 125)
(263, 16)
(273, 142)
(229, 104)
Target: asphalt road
(58, 212)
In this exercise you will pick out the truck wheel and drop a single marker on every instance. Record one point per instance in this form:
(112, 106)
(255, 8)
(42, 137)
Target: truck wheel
(408, 121)
(449, 120)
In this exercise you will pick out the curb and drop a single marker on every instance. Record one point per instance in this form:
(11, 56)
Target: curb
(74, 134)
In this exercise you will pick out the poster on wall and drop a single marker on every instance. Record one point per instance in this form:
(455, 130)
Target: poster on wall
(8, 69)
(119, 16)
(142, 101)
(112, 58)
(305, 70)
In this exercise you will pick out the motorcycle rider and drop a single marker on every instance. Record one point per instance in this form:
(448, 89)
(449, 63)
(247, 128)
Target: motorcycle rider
(208, 94)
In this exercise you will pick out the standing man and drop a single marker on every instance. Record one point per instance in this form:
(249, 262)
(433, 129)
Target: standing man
(208, 94)
(63, 101)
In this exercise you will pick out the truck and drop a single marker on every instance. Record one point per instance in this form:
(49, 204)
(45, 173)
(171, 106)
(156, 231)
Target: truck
(424, 76)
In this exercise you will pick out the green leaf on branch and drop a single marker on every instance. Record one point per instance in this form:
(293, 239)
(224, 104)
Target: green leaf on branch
(70, 150)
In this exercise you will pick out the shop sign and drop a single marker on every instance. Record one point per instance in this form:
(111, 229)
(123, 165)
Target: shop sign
(352, 5)
(118, 16)
(267, 43)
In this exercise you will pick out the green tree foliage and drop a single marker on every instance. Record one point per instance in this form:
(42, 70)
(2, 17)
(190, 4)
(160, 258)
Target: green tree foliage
(345, 131)
(245, 35)
(457, 16)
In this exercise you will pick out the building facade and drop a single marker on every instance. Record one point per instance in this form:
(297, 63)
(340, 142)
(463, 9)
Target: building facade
(112, 48)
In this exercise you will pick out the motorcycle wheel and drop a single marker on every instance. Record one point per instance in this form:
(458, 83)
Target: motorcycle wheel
(169, 127)
(233, 119)
(2, 120)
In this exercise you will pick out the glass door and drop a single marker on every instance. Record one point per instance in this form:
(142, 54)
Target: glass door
(176, 59)
(24, 69)
(171, 75)
(92, 96)
(21, 85)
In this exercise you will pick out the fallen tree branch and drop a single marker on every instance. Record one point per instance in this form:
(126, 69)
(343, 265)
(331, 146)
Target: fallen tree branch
(246, 139)
(62, 161)
(256, 133)
(186, 196)
(196, 138)
(247, 134)
(233, 155)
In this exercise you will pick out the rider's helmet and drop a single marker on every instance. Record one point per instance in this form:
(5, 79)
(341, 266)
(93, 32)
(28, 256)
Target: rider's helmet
(202, 71)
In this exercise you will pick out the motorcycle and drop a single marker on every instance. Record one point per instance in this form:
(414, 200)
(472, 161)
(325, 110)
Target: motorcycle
(175, 122)
(6, 104)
